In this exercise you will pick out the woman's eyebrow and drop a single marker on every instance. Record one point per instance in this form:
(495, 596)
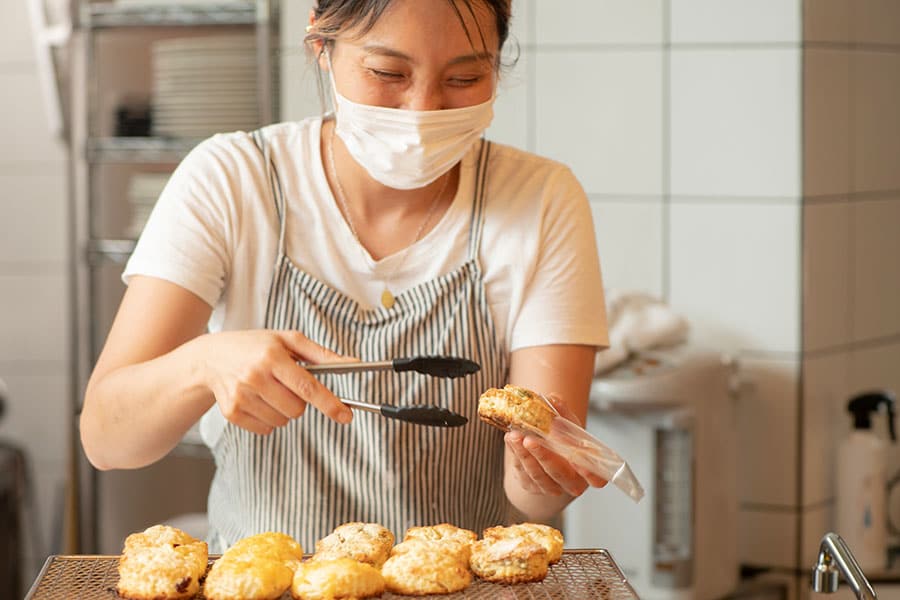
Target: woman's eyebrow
(380, 50)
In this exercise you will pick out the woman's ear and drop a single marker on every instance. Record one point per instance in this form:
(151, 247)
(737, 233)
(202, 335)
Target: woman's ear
(317, 44)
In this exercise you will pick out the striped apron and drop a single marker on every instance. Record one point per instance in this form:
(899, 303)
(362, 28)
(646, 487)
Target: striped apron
(312, 475)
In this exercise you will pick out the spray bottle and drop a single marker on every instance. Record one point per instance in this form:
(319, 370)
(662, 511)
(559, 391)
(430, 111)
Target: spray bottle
(862, 482)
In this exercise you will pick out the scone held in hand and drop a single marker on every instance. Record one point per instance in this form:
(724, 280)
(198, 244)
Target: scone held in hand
(515, 407)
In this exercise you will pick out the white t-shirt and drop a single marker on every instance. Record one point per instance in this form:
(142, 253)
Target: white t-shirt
(214, 231)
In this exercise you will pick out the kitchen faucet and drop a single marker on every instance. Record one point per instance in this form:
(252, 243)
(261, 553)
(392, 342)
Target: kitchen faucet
(835, 558)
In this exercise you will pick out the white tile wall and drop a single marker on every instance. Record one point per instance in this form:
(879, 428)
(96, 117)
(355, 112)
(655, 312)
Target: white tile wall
(28, 137)
(512, 106)
(29, 203)
(600, 22)
(299, 91)
(15, 43)
(522, 22)
(876, 119)
(816, 523)
(876, 268)
(37, 417)
(735, 122)
(601, 113)
(876, 21)
(827, 20)
(33, 325)
(768, 538)
(827, 274)
(826, 389)
(629, 239)
(735, 21)
(826, 122)
(767, 425)
(734, 271)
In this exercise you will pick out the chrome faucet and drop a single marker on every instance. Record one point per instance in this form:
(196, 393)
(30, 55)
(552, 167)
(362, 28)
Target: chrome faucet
(835, 558)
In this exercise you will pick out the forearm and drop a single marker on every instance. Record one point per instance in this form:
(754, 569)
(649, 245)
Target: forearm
(135, 414)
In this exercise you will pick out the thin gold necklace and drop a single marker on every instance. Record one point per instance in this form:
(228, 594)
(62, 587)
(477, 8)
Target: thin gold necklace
(387, 298)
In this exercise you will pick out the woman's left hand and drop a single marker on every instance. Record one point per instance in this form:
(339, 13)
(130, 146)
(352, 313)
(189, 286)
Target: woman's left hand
(539, 470)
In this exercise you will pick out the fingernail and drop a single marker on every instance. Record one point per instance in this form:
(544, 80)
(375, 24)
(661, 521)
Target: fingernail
(345, 417)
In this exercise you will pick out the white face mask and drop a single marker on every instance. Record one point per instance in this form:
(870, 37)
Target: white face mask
(408, 149)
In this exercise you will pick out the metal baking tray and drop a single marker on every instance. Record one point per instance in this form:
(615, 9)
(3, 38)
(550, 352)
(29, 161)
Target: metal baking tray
(579, 575)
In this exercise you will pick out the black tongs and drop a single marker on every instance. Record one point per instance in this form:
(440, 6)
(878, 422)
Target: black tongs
(420, 414)
(436, 366)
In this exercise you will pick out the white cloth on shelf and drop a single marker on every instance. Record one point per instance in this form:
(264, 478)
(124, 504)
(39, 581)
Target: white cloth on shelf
(638, 322)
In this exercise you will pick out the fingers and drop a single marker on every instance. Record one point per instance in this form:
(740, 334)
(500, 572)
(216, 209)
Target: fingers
(307, 388)
(531, 474)
(307, 350)
(548, 472)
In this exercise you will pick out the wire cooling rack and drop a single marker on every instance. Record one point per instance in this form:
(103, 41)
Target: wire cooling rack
(579, 575)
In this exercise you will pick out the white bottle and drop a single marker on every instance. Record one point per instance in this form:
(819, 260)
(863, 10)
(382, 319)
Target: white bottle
(862, 484)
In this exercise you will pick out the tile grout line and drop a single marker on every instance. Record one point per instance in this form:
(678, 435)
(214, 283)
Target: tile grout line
(666, 167)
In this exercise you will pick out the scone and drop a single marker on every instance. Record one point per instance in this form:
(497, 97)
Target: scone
(257, 567)
(548, 537)
(271, 545)
(244, 578)
(517, 407)
(513, 560)
(449, 537)
(424, 568)
(369, 543)
(340, 578)
(161, 563)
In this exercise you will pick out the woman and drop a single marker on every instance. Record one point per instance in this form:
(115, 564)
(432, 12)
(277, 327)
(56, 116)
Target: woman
(389, 229)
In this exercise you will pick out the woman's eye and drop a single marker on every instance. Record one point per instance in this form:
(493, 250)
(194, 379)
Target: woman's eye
(388, 75)
(463, 81)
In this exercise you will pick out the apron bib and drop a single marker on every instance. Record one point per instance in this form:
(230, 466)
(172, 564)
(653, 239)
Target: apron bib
(312, 475)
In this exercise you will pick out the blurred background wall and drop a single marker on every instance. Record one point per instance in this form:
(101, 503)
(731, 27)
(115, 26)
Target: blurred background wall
(743, 163)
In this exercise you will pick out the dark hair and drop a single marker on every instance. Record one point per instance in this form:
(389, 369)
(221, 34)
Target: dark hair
(334, 16)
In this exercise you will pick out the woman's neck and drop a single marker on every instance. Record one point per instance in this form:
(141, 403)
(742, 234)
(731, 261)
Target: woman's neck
(384, 220)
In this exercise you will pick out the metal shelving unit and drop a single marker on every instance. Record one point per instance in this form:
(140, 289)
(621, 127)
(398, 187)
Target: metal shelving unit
(95, 151)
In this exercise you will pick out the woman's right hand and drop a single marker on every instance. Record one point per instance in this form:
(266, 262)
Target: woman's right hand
(257, 382)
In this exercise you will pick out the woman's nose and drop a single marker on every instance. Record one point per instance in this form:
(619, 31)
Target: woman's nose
(424, 97)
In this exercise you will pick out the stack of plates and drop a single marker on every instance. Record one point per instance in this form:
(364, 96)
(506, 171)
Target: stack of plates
(204, 85)
(143, 191)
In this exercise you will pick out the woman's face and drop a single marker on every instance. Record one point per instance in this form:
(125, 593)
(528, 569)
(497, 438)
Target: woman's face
(418, 57)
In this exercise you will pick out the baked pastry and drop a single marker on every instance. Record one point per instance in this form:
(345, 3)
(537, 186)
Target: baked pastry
(269, 545)
(419, 568)
(161, 563)
(340, 578)
(448, 537)
(517, 407)
(548, 537)
(257, 567)
(368, 543)
(509, 560)
(245, 578)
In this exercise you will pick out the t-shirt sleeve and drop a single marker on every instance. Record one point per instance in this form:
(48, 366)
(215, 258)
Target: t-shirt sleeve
(188, 238)
(563, 302)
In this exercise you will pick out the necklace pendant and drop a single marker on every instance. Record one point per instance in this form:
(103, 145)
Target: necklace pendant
(387, 298)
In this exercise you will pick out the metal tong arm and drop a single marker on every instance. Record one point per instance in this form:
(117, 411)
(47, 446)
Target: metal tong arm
(361, 405)
(352, 367)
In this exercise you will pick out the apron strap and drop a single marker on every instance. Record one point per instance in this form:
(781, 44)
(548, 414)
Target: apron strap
(275, 189)
(476, 225)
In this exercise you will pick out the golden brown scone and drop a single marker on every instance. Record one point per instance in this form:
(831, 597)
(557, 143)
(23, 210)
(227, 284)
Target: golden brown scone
(161, 563)
(514, 560)
(341, 578)
(548, 537)
(515, 406)
(158, 535)
(369, 543)
(449, 537)
(270, 545)
(244, 578)
(425, 568)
